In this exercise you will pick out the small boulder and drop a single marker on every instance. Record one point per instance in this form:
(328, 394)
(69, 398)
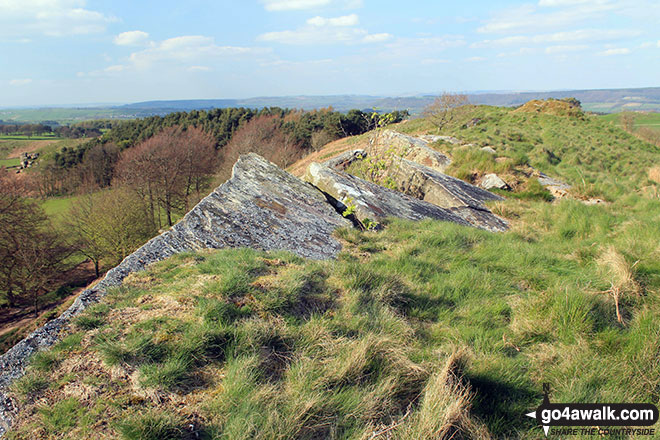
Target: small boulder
(490, 150)
(493, 181)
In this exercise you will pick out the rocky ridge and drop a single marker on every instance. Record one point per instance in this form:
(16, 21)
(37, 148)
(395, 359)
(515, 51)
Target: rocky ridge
(266, 208)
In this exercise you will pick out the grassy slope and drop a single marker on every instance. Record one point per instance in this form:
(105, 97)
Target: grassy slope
(242, 344)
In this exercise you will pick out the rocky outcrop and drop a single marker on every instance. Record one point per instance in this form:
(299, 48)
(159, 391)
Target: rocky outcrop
(391, 143)
(370, 201)
(465, 200)
(261, 207)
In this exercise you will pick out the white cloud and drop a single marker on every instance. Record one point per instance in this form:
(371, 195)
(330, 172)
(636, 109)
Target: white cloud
(20, 82)
(132, 38)
(50, 17)
(617, 51)
(561, 49)
(475, 59)
(187, 49)
(296, 5)
(529, 17)
(320, 30)
(199, 69)
(346, 20)
(658, 43)
(560, 37)
(377, 38)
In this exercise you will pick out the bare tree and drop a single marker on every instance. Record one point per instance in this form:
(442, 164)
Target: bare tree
(168, 168)
(445, 109)
(262, 135)
(627, 121)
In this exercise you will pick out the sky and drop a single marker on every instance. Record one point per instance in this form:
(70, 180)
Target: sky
(61, 52)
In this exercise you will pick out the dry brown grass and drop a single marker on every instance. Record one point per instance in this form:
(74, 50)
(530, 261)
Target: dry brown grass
(445, 407)
(654, 174)
(621, 277)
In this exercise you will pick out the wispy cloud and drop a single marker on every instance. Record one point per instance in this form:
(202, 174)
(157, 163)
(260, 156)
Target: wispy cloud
(297, 5)
(189, 53)
(616, 51)
(320, 30)
(53, 18)
(560, 37)
(548, 14)
(20, 82)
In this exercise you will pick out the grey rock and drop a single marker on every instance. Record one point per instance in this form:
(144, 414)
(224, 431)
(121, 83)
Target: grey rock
(490, 181)
(372, 201)
(261, 207)
(408, 147)
(490, 150)
(345, 159)
(546, 180)
(557, 188)
(462, 198)
(435, 138)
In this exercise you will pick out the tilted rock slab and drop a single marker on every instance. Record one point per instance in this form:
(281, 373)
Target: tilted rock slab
(261, 207)
(345, 159)
(463, 199)
(372, 201)
(409, 147)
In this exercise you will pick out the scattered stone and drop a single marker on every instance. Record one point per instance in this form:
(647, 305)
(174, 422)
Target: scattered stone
(595, 202)
(344, 160)
(473, 122)
(435, 138)
(370, 201)
(490, 181)
(490, 150)
(408, 147)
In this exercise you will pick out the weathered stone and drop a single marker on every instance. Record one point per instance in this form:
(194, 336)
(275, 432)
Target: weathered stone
(557, 188)
(546, 180)
(345, 159)
(261, 207)
(465, 200)
(435, 138)
(371, 201)
(490, 150)
(490, 181)
(390, 142)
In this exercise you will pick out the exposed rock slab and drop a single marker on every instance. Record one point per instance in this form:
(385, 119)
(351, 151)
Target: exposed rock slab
(462, 198)
(408, 147)
(261, 207)
(371, 201)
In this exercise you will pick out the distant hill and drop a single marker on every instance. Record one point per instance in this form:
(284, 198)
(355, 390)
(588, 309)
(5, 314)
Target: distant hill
(606, 101)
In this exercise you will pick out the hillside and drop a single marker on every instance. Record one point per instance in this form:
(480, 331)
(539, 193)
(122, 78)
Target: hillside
(605, 100)
(424, 329)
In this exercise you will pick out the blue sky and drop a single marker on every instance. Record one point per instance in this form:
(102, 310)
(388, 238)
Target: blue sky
(89, 51)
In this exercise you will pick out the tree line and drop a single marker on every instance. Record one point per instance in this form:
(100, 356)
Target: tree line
(140, 177)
